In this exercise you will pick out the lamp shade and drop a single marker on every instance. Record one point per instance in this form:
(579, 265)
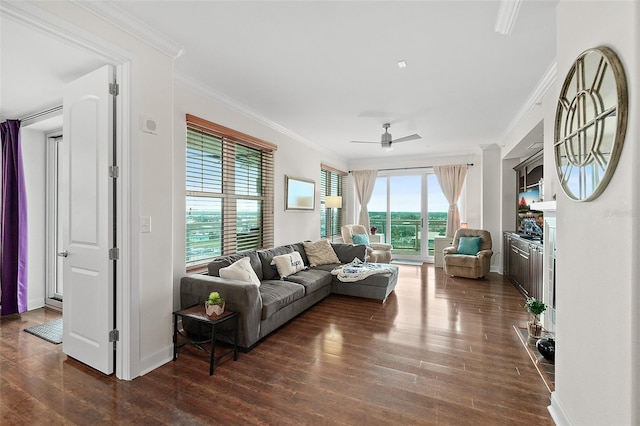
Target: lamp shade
(333, 201)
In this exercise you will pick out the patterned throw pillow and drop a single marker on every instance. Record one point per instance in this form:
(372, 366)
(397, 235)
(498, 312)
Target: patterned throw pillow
(240, 271)
(288, 264)
(361, 239)
(320, 253)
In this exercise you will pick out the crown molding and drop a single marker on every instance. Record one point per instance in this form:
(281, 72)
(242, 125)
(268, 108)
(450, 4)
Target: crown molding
(211, 93)
(507, 14)
(535, 98)
(34, 17)
(490, 146)
(117, 17)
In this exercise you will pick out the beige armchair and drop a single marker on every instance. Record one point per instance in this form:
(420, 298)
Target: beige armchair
(376, 253)
(468, 265)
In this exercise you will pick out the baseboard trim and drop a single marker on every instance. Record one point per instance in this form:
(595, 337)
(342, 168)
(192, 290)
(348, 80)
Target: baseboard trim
(156, 360)
(557, 413)
(36, 303)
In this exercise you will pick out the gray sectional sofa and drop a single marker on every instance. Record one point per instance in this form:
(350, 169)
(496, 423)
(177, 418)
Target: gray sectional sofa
(274, 302)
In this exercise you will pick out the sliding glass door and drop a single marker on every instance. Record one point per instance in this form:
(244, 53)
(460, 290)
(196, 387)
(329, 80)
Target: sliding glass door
(409, 210)
(57, 188)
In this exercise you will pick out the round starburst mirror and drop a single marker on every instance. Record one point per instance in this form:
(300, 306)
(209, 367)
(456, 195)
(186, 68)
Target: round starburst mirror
(591, 122)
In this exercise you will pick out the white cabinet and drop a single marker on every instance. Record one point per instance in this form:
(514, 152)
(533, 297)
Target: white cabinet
(439, 244)
(378, 238)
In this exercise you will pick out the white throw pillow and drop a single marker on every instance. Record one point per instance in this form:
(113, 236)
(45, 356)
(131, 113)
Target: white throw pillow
(320, 253)
(240, 271)
(288, 264)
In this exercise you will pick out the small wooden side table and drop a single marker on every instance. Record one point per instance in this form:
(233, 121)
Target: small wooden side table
(198, 314)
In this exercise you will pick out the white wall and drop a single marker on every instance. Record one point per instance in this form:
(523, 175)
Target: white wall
(596, 276)
(490, 202)
(34, 163)
(146, 163)
(291, 158)
(597, 251)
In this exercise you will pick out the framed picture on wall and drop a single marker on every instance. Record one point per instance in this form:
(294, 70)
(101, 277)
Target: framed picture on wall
(300, 194)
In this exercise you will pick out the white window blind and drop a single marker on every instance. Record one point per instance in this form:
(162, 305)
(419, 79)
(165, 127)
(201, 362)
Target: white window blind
(331, 183)
(229, 192)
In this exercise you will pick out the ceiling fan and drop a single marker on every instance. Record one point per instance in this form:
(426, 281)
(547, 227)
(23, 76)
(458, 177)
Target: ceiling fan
(386, 140)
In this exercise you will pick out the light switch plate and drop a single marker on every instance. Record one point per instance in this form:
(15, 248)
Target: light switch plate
(145, 224)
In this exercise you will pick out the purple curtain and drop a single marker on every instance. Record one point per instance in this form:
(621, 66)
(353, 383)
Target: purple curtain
(13, 234)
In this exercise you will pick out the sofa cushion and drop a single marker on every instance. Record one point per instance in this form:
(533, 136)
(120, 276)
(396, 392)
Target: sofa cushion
(462, 260)
(278, 294)
(299, 247)
(311, 279)
(224, 261)
(288, 264)
(320, 253)
(327, 268)
(240, 270)
(347, 252)
(269, 272)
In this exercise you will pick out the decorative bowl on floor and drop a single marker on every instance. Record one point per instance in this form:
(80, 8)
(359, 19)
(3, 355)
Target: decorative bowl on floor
(547, 348)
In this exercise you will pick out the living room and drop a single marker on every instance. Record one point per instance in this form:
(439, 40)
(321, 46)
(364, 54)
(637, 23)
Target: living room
(154, 261)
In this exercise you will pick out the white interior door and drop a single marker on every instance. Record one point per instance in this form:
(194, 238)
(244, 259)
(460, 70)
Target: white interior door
(88, 234)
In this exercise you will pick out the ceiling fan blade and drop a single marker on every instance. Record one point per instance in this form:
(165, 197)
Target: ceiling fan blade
(364, 142)
(407, 138)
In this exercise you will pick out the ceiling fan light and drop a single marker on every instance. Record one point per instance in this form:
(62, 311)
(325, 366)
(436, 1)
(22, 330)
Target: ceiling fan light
(387, 148)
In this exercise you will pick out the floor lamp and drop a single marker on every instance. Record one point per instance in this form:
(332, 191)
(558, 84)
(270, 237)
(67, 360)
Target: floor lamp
(332, 202)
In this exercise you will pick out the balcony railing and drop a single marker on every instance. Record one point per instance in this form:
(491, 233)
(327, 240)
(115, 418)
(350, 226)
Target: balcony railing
(406, 235)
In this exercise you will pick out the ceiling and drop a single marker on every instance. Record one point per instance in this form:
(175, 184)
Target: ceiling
(327, 70)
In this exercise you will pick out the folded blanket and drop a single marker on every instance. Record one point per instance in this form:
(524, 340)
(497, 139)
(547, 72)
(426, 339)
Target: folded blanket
(359, 270)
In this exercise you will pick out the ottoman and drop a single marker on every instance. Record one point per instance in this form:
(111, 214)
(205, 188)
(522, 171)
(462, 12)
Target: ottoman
(377, 286)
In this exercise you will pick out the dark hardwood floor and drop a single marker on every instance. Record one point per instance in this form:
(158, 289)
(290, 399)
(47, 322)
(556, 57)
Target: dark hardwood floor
(441, 350)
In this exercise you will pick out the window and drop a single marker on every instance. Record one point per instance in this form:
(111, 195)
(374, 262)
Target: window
(331, 183)
(409, 211)
(229, 192)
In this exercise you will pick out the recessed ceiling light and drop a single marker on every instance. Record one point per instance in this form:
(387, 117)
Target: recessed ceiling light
(402, 64)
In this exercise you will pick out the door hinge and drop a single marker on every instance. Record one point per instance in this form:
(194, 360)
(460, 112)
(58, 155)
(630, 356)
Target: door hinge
(114, 253)
(114, 336)
(114, 89)
(114, 172)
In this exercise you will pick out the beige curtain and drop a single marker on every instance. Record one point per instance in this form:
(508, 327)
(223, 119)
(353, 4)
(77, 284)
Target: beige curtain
(364, 181)
(451, 179)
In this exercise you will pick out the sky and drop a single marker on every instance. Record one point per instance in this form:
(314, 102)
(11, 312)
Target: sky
(405, 194)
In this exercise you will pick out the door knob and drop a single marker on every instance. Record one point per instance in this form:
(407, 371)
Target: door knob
(63, 253)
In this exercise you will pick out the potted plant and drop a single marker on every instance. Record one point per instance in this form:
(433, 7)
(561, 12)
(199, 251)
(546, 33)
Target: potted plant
(535, 307)
(214, 304)
(373, 230)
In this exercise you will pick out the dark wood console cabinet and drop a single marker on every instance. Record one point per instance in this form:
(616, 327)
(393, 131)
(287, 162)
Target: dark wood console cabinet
(523, 264)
